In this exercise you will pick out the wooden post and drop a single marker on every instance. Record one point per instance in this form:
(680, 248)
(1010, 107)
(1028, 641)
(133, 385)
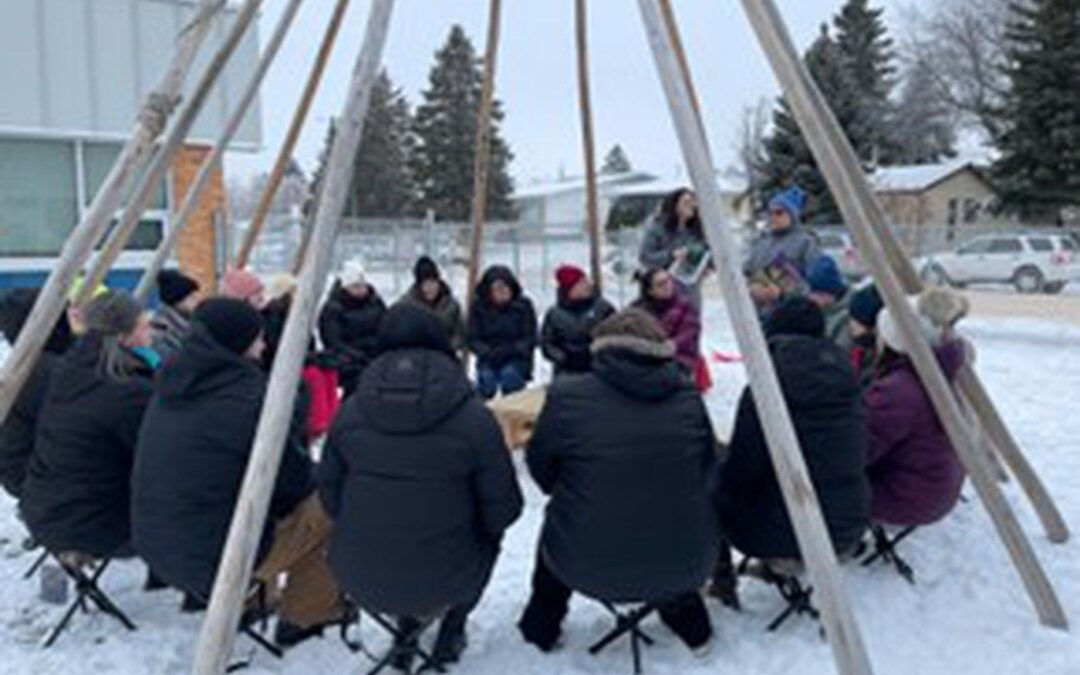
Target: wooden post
(284, 158)
(151, 178)
(675, 38)
(219, 629)
(592, 216)
(151, 122)
(802, 503)
(857, 203)
(483, 151)
(213, 160)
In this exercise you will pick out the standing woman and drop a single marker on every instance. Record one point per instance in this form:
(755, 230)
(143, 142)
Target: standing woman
(661, 297)
(77, 491)
(676, 238)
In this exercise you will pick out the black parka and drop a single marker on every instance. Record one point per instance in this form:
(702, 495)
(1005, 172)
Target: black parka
(567, 333)
(626, 454)
(419, 482)
(823, 396)
(349, 328)
(193, 450)
(77, 491)
(500, 336)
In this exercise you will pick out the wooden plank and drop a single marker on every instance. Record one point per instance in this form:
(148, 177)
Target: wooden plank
(482, 160)
(592, 215)
(285, 154)
(150, 181)
(152, 119)
(219, 629)
(859, 207)
(517, 415)
(194, 193)
(802, 503)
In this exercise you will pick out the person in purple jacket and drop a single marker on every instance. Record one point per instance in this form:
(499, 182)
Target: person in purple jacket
(915, 474)
(661, 297)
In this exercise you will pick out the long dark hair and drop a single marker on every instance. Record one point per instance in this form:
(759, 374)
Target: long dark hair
(645, 278)
(669, 214)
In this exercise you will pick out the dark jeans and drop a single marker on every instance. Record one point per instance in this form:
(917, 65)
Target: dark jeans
(541, 623)
(490, 380)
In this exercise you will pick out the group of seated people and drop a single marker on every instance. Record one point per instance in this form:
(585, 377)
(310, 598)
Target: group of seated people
(133, 434)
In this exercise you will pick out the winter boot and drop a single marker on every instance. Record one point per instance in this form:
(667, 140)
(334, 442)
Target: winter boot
(725, 584)
(288, 635)
(405, 645)
(192, 604)
(153, 583)
(451, 641)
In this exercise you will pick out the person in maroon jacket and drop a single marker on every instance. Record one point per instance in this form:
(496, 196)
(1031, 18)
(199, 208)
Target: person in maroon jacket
(915, 474)
(661, 297)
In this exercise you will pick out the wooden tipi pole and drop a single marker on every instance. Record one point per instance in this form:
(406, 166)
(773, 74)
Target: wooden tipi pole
(284, 158)
(159, 165)
(230, 586)
(671, 24)
(202, 179)
(794, 478)
(592, 215)
(857, 204)
(483, 151)
(151, 122)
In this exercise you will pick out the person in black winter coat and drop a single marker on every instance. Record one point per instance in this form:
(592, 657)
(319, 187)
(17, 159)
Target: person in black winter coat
(567, 331)
(419, 483)
(626, 454)
(823, 397)
(502, 333)
(18, 431)
(76, 497)
(349, 323)
(193, 450)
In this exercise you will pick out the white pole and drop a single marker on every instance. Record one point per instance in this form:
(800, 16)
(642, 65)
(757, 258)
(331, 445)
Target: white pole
(219, 629)
(849, 186)
(159, 164)
(213, 160)
(794, 478)
(151, 122)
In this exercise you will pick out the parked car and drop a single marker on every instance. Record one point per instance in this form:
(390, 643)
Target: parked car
(838, 244)
(1033, 263)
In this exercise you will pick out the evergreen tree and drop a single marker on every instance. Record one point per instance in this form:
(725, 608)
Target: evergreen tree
(1038, 173)
(382, 181)
(867, 52)
(616, 161)
(445, 128)
(924, 126)
(789, 160)
(318, 176)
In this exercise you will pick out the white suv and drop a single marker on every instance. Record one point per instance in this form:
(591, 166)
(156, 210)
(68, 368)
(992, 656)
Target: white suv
(1032, 263)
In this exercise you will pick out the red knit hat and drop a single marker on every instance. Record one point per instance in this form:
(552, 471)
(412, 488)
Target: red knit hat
(568, 276)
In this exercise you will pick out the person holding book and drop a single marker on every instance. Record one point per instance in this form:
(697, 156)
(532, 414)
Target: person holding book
(781, 256)
(675, 241)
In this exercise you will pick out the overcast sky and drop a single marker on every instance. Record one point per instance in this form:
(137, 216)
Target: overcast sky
(536, 76)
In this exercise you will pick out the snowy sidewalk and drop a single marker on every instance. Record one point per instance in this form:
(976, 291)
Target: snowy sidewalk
(967, 615)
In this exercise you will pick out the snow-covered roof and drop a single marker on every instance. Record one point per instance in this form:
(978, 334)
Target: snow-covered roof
(578, 184)
(917, 178)
(662, 186)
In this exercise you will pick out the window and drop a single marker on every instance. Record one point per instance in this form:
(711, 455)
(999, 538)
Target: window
(38, 203)
(98, 160)
(972, 208)
(977, 247)
(954, 211)
(1068, 245)
(1006, 246)
(1041, 245)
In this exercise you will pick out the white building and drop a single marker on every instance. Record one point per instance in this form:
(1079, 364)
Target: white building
(73, 75)
(561, 204)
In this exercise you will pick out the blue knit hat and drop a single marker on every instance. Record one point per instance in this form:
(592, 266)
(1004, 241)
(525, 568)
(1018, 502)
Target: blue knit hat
(824, 277)
(866, 305)
(791, 200)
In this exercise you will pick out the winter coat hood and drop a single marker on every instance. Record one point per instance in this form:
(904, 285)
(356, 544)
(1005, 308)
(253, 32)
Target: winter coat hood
(497, 273)
(641, 376)
(201, 367)
(81, 371)
(410, 391)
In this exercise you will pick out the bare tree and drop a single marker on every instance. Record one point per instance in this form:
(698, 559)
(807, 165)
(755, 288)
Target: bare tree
(961, 46)
(749, 143)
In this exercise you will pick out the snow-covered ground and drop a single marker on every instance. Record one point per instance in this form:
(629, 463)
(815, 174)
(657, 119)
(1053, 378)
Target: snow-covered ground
(968, 614)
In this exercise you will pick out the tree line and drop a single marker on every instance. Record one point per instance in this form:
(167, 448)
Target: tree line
(1007, 71)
